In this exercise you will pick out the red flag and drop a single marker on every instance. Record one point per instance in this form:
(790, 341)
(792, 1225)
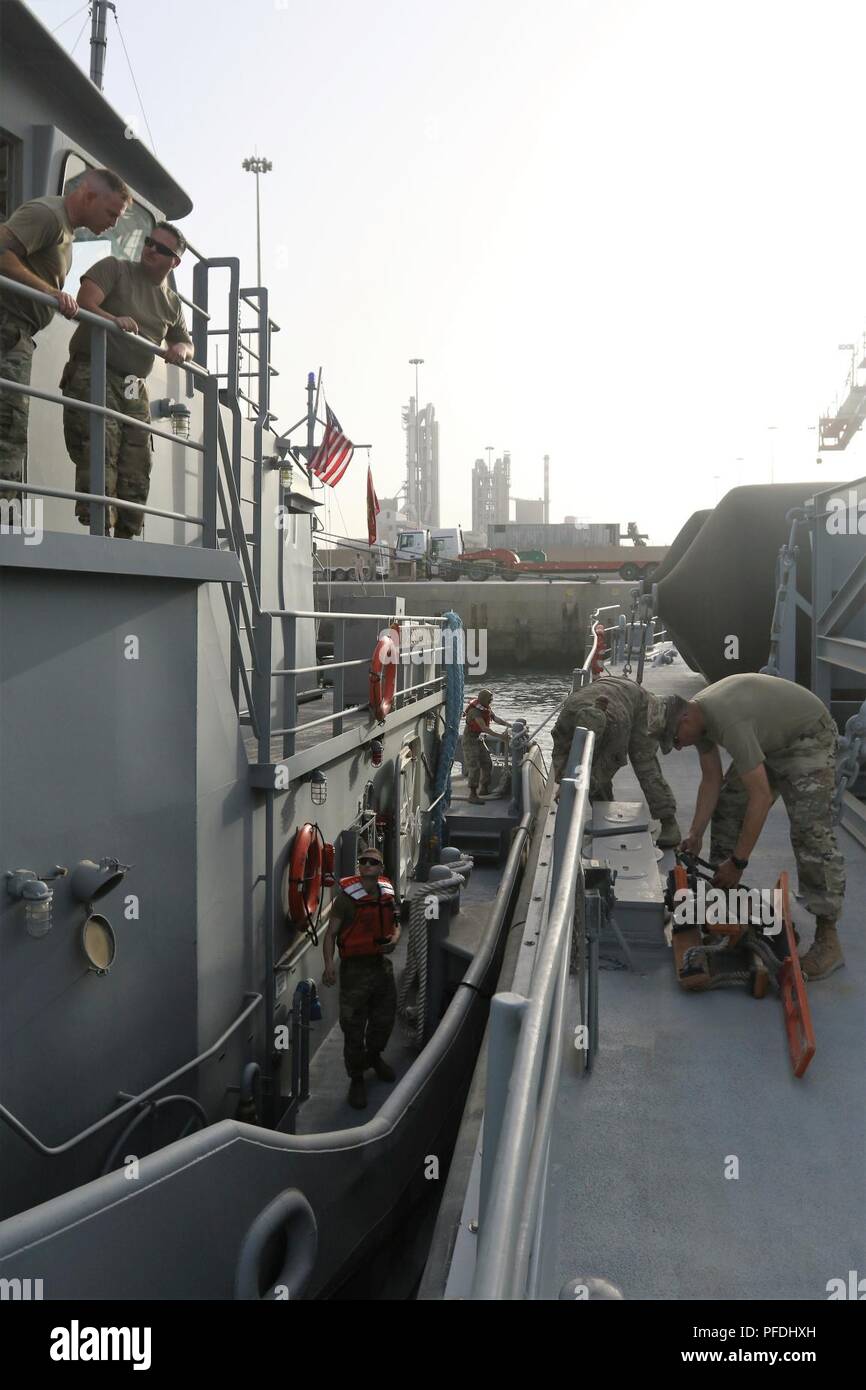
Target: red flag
(373, 507)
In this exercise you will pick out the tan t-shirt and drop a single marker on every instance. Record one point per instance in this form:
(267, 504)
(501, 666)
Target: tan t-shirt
(754, 716)
(43, 230)
(128, 292)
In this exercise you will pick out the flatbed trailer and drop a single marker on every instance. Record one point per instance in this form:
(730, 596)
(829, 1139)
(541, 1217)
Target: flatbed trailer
(636, 563)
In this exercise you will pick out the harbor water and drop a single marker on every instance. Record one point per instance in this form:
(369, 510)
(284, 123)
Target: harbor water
(517, 695)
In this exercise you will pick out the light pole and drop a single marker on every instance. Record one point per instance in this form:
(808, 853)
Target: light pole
(771, 430)
(417, 362)
(258, 165)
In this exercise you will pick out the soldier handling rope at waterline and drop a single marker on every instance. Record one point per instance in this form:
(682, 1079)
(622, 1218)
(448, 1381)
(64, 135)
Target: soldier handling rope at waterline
(477, 761)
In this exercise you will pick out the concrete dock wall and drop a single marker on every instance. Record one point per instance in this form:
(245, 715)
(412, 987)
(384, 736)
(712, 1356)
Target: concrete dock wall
(527, 622)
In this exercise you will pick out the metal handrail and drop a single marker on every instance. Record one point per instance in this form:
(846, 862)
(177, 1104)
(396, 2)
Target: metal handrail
(72, 403)
(190, 304)
(324, 666)
(593, 651)
(44, 491)
(387, 617)
(507, 1234)
(85, 316)
(325, 719)
(53, 1152)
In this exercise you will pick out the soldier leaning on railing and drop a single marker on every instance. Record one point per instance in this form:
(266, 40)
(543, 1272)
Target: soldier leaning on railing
(134, 295)
(36, 250)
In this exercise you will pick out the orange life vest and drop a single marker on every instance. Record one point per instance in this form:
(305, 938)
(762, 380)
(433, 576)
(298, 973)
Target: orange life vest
(478, 711)
(374, 918)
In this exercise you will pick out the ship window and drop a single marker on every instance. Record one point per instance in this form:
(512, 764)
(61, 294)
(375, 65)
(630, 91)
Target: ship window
(125, 240)
(10, 174)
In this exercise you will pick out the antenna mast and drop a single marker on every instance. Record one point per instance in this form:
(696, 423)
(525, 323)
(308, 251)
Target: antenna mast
(98, 41)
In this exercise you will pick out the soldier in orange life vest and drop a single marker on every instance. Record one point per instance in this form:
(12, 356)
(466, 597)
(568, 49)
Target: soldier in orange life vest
(364, 925)
(476, 759)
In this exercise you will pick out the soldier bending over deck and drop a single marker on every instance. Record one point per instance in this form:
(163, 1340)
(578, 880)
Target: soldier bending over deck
(782, 742)
(629, 725)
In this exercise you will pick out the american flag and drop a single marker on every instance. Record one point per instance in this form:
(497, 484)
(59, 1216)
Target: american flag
(334, 454)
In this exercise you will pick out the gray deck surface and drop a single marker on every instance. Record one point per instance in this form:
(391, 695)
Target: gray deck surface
(637, 1189)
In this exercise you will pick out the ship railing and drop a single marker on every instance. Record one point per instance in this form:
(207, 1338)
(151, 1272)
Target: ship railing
(429, 654)
(633, 634)
(128, 1102)
(243, 601)
(95, 407)
(526, 1044)
(838, 622)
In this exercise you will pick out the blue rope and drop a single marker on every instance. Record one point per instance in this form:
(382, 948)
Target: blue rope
(454, 654)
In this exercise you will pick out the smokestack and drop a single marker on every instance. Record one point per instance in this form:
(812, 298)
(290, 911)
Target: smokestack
(546, 512)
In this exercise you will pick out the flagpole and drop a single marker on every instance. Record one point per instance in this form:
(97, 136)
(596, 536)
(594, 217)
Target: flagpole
(311, 417)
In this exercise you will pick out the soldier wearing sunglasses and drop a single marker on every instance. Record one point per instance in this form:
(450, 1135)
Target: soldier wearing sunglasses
(365, 925)
(137, 297)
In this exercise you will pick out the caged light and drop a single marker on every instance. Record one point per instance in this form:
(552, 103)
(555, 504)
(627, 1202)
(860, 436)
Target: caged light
(377, 749)
(36, 896)
(318, 787)
(180, 420)
(177, 414)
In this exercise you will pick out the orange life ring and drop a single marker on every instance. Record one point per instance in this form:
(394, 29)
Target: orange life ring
(383, 672)
(304, 875)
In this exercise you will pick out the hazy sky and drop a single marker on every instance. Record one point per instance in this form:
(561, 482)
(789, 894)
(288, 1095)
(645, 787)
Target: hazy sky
(627, 233)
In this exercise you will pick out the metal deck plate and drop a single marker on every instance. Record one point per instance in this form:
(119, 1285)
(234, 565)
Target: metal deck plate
(614, 817)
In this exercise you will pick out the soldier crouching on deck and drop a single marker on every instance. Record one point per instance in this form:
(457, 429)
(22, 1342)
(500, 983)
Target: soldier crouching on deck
(782, 742)
(135, 296)
(630, 725)
(364, 925)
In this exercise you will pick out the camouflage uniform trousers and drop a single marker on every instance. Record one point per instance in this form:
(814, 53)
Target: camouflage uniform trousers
(368, 1008)
(477, 762)
(804, 775)
(621, 737)
(128, 452)
(16, 360)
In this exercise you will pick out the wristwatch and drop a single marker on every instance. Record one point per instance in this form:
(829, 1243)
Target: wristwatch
(739, 863)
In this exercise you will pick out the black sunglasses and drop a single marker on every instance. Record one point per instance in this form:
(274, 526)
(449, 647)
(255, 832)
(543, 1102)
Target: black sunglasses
(364, 860)
(160, 247)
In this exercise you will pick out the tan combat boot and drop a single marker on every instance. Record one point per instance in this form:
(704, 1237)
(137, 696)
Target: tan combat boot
(670, 834)
(825, 954)
(474, 799)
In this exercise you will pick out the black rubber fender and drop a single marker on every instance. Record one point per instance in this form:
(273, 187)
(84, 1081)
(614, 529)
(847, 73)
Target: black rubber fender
(278, 1252)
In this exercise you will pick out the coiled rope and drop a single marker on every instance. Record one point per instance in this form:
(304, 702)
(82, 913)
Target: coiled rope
(415, 970)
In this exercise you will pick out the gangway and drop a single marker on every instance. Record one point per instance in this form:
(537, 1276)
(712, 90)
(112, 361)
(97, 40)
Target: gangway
(836, 430)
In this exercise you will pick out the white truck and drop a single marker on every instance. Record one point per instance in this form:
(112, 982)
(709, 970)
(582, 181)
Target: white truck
(432, 554)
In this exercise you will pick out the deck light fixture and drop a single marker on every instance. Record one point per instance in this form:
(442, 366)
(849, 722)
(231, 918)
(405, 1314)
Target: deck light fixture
(37, 898)
(377, 748)
(176, 413)
(92, 881)
(318, 787)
